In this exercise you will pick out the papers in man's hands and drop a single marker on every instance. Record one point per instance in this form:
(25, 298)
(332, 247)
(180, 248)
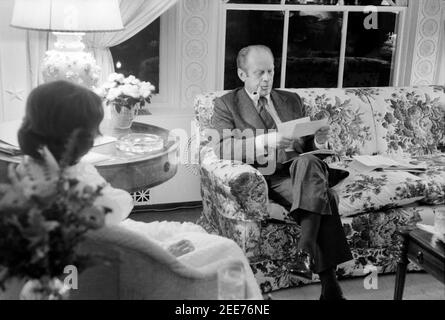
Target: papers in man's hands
(300, 127)
(371, 163)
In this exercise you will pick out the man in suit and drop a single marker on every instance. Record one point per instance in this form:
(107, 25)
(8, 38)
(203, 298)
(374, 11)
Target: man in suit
(246, 120)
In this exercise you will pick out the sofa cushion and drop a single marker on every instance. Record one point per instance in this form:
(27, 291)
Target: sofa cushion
(434, 179)
(373, 191)
(410, 120)
(351, 118)
(377, 190)
(377, 229)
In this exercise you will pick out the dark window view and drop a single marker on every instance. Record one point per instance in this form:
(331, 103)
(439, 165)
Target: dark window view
(139, 55)
(313, 49)
(370, 52)
(256, 1)
(335, 2)
(247, 28)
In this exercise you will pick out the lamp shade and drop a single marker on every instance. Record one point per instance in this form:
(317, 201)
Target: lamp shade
(67, 15)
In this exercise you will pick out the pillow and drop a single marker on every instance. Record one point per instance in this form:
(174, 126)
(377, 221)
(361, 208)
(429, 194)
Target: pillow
(378, 191)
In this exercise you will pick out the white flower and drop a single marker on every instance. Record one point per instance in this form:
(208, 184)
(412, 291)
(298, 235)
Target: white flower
(101, 92)
(109, 85)
(116, 77)
(114, 93)
(130, 90)
(145, 89)
(129, 80)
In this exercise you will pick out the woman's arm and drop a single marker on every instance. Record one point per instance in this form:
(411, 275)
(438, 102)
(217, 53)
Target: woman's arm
(118, 201)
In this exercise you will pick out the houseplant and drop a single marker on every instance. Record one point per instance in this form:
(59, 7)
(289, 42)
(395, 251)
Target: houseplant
(44, 216)
(125, 96)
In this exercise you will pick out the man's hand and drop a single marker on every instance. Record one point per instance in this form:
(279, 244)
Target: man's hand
(275, 140)
(322, 135)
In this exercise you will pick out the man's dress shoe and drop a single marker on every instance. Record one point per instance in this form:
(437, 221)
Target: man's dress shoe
(303, 265)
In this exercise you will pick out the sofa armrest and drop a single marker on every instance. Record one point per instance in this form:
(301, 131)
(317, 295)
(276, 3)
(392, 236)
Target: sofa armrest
(237, 191)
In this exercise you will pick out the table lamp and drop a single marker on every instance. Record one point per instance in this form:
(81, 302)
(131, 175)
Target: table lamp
(68, 20)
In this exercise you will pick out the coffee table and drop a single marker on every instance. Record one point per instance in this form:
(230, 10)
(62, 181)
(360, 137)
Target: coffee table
(418, 247)
(130, 172)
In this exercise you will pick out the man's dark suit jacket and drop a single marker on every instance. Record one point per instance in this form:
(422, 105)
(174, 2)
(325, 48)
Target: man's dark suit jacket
(236, 110)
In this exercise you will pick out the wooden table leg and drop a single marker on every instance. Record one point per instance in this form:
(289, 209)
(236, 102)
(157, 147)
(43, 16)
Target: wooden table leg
(401, 269)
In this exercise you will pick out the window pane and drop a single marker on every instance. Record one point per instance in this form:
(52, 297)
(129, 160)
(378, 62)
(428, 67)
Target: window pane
(332, 2)
(313, 49)
(139, 55)
(370, 52)
(256, 1)
(247, 28)
(349, 2)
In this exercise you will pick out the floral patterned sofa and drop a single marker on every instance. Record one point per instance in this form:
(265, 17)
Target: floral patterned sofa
(373, 206)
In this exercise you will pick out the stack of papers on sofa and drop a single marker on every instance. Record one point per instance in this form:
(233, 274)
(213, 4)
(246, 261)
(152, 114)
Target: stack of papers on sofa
(381, 163)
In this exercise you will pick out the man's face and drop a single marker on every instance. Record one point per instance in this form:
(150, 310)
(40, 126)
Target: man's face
(259, 73)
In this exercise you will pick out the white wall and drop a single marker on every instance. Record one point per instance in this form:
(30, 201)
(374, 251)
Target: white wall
(13, 64)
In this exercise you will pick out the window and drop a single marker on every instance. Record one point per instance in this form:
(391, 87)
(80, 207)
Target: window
(319, 43)
(151, 55)
(139, 55)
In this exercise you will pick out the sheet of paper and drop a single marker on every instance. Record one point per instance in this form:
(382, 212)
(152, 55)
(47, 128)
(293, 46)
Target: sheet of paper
(301, 127)
(9, 130)
(94, 157)
(288, 127)
(370, 163)
(103, 140)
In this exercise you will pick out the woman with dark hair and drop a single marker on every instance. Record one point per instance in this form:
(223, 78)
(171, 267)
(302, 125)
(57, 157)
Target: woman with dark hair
(53, 112)
(61, 114)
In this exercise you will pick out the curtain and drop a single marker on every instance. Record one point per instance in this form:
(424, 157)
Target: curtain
(2, 110)
(37, 43)
(136, 15)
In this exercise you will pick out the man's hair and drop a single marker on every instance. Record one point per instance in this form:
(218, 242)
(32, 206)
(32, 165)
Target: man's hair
(54, 111)
(244, 52)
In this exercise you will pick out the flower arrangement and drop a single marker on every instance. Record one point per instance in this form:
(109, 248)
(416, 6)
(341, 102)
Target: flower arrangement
(44, 216)
(125, 92)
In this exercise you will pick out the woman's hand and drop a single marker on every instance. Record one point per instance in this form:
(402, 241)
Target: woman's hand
(181, 248)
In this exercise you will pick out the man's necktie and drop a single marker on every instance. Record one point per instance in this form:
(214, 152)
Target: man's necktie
(264, 114)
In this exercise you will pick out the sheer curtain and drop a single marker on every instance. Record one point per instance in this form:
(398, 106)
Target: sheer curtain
(136, 15)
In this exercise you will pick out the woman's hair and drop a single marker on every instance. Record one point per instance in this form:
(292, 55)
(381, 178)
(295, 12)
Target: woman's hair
(57, 111)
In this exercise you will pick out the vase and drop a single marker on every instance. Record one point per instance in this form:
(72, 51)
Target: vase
(122, 117)
(44, 289)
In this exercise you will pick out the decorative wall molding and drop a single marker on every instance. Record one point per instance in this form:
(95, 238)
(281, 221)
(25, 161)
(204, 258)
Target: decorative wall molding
(15, 94)
(198, 55)
(427, 42)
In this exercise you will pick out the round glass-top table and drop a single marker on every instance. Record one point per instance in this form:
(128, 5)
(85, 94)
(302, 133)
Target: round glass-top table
(129, 171)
